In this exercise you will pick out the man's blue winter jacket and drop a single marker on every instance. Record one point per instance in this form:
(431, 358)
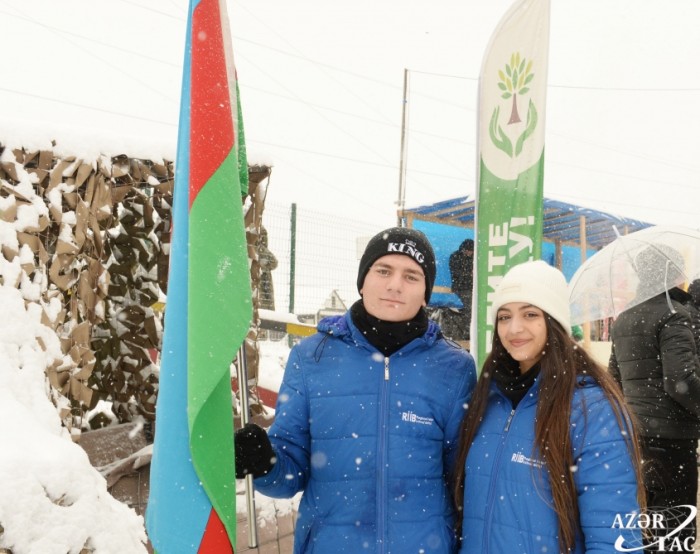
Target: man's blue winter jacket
(508, 501)
(369, 440)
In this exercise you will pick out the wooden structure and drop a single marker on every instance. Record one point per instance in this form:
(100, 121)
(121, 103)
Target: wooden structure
(564, 223)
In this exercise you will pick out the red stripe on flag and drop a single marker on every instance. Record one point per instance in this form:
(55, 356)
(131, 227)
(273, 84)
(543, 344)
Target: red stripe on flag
(215, 539)
(211, 124)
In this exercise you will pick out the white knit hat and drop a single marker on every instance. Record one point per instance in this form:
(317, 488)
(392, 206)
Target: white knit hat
(536, 283)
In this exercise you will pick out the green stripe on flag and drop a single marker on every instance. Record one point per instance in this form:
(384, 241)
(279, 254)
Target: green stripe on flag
(240, 145)
(219, 317)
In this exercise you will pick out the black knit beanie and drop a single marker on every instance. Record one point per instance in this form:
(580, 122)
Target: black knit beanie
(400, 240)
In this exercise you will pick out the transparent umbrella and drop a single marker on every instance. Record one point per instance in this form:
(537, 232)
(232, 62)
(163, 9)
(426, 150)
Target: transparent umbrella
(632, 269)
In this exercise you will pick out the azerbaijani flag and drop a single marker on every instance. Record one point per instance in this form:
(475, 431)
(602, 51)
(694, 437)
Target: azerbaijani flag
(512, 98)
(192, 502)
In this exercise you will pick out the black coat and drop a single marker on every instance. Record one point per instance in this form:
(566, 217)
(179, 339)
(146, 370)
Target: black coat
(694, 312)
(655, 359)
(461, 270)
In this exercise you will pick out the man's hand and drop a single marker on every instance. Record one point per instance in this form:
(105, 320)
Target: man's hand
(254, 454)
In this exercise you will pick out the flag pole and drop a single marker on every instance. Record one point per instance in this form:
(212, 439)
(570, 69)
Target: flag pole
(242, 373)
(404, 147)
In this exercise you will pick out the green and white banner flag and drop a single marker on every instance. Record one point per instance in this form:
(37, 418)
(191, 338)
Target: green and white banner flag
(512, 97)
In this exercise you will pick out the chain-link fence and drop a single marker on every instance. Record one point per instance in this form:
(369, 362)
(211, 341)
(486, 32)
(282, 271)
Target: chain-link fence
(315, 260)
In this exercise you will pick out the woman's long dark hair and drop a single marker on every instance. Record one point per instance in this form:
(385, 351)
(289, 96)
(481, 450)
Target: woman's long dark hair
(561, 365)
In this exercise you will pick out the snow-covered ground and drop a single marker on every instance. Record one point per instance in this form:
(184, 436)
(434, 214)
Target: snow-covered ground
(273, 358)
(52, 500)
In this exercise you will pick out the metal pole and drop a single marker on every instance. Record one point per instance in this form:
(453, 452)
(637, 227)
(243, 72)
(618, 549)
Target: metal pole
(584, 254)
(292, 262)
(401, 202)
(242, 373)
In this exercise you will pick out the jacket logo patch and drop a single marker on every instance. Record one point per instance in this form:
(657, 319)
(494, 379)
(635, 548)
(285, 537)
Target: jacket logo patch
(414, 418)
(520, 458)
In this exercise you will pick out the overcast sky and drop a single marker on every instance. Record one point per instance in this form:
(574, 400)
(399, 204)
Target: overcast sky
(321, 86)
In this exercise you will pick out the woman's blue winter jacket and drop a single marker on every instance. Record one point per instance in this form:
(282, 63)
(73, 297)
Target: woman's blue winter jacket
(508, 501)
(369, 439)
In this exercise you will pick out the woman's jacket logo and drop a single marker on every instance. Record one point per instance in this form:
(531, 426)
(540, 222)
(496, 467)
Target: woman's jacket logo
(662, 529)
(414, 418)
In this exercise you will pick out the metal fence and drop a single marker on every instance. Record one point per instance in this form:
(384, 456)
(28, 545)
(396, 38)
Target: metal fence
(317, 255)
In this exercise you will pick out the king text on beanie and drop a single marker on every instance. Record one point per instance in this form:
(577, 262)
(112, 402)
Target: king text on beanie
(400, 240)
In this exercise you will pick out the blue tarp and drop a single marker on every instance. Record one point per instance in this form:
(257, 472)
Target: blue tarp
(445, 240)
(449, 222)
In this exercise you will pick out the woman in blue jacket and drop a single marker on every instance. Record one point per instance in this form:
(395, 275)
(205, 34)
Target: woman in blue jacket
(548, 460)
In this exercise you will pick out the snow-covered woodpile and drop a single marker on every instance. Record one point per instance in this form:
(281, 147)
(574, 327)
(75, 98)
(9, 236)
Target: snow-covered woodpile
(253, 207)
(92, 237)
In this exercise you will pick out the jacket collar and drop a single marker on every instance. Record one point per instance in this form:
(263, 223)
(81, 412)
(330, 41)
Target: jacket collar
(342, 327)
(533, 394)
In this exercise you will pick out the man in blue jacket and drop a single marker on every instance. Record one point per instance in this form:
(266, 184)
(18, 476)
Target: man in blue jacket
(368, 416)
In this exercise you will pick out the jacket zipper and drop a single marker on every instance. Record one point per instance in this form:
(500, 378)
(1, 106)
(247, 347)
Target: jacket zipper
(382, 492)
(494, 478)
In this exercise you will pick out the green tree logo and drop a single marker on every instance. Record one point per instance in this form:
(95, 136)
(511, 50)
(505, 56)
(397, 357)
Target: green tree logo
(514, 81)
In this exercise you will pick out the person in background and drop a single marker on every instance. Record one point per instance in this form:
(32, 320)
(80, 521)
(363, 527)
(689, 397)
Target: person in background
(547, 460)
(368, 415)
(654, 359)
(268, 262)
(461, 272)
(693, 306)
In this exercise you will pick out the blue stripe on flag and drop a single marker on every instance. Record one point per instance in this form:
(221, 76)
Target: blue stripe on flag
(178, 508)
